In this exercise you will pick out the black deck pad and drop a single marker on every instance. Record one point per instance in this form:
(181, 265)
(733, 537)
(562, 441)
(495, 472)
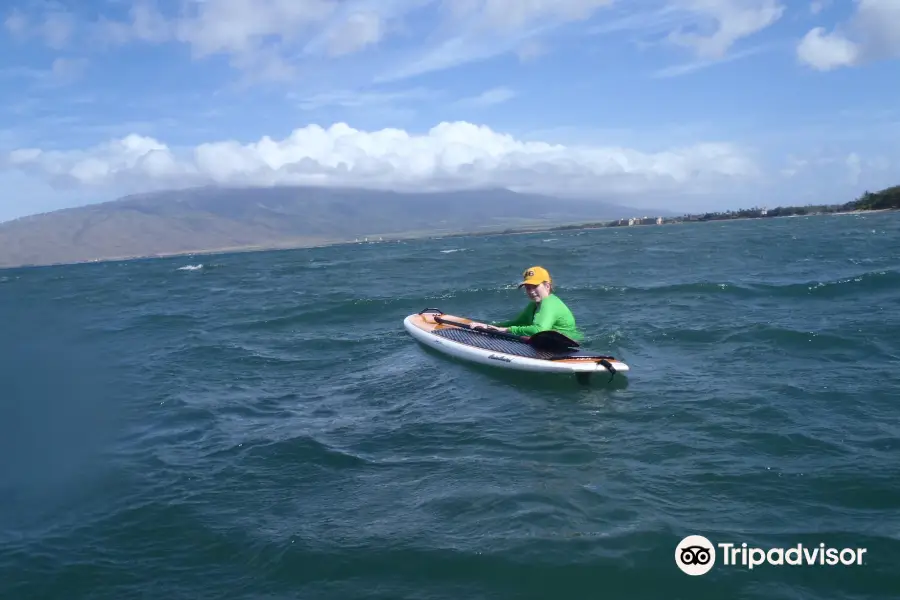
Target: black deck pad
(486, 341)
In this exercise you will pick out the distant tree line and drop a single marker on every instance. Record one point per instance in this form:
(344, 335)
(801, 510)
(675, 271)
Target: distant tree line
(886, 199)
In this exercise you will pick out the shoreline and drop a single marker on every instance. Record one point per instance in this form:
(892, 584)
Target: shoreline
(399, 237)
(669, 221)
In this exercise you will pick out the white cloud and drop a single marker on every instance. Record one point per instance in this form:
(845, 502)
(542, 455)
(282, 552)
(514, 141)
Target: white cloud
(62, 71)
(146, 24)
(834, 168)
(873, 33)
(726, 22)
(699, 65)
(361, 98)
(708, 29)
(818, 6)
(794, 166)
(531, 50)
(269, 39)
(476, 30)
(266, 38)
(661, 19)
(66, 70)
(860, 168)
(16, 24)
(518, 14)
(824, 51)
(241, 26)
(55, 27)
(491, 97)
(256, 34)
(260, 37)
(450, 155)
(358, 31)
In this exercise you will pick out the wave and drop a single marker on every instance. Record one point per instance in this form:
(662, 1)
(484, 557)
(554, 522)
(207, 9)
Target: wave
(757, 337)
(868, 282)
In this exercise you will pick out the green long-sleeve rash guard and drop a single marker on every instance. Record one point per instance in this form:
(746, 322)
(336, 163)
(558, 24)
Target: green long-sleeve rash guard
(551, 313)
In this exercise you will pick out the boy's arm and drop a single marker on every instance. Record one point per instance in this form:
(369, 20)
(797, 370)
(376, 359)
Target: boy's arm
(542, 322)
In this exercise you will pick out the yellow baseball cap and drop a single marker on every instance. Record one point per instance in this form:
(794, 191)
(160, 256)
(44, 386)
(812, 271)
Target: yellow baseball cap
(535, 276)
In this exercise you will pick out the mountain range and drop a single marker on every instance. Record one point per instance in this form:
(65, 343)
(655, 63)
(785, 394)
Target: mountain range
(220, 219)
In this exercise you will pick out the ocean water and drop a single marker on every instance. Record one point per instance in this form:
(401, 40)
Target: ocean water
(261, 426)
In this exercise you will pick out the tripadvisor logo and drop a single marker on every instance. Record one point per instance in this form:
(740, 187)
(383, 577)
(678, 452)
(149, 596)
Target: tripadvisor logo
(696, 555)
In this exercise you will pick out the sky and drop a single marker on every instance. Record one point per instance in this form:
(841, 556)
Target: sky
(686, 105)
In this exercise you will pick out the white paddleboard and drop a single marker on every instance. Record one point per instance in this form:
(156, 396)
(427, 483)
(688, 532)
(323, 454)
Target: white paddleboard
(483, 348)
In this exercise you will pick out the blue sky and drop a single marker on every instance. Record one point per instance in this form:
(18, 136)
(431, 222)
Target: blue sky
(681, 104)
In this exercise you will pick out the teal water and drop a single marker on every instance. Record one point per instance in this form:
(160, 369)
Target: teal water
(263, 427)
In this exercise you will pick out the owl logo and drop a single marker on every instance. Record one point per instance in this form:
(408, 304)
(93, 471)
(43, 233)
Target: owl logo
(695, 555)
